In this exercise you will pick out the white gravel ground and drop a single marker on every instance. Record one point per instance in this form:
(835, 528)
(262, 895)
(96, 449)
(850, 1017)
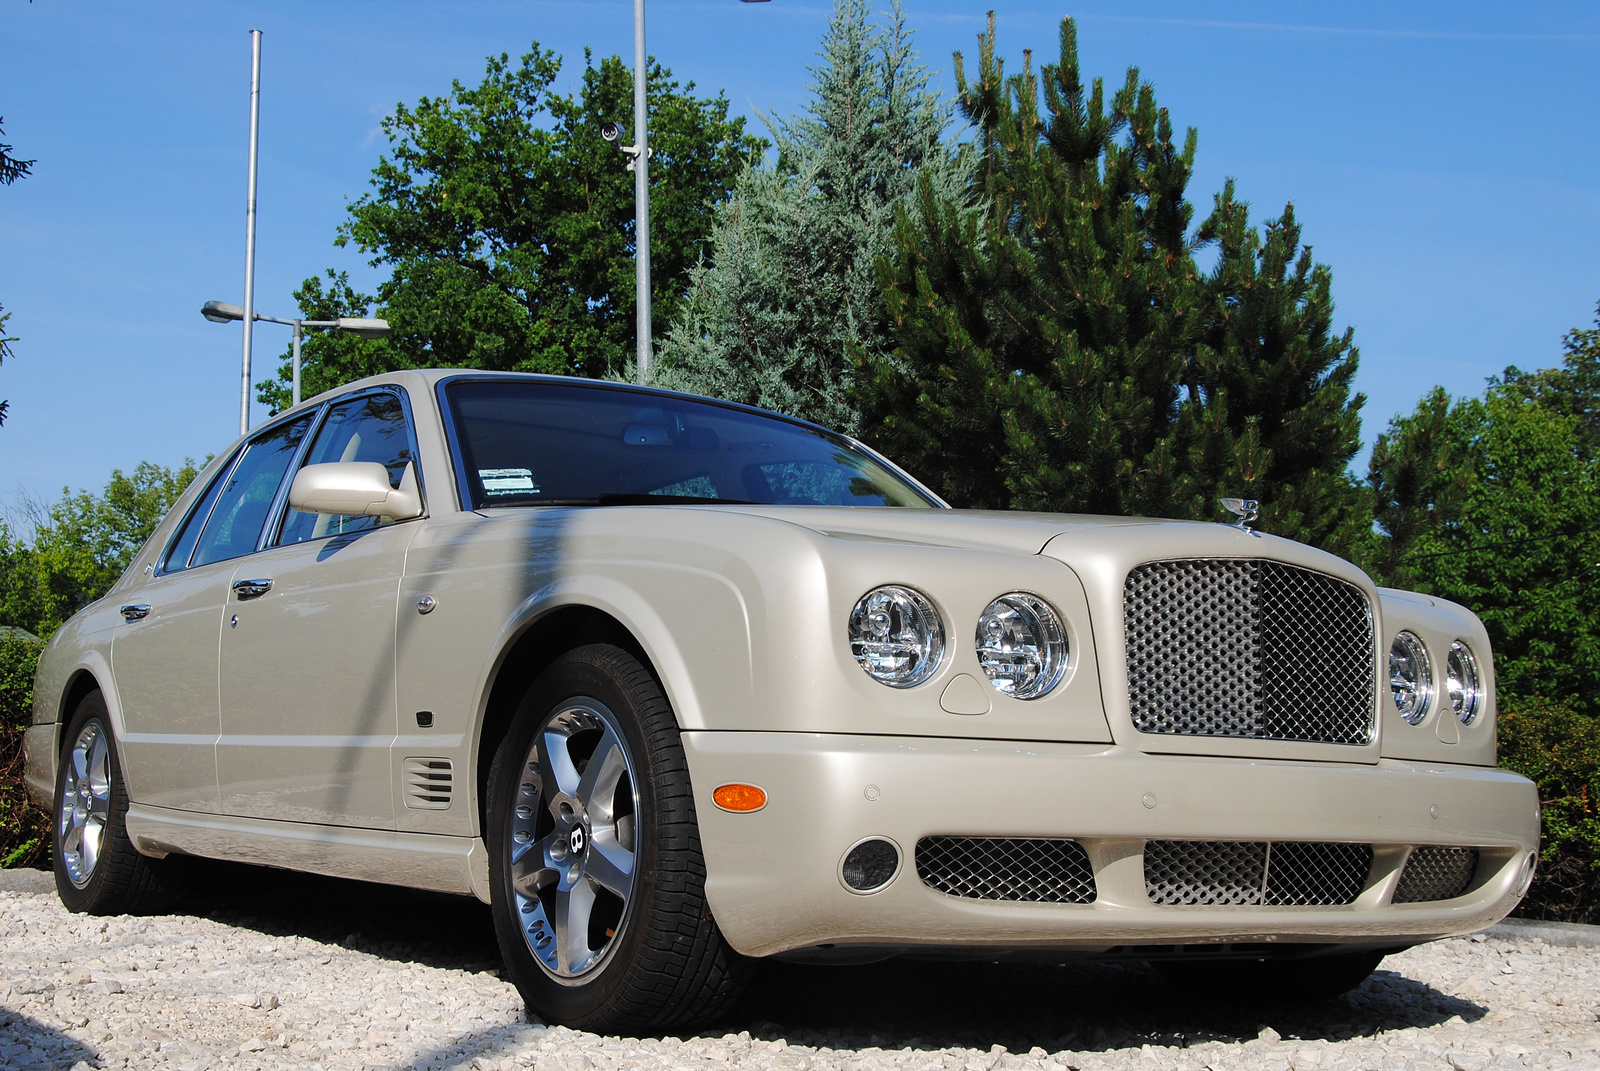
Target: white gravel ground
(304, 972)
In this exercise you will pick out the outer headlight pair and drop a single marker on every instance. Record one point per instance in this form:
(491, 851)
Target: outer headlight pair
(898, 638)
(1411, 683)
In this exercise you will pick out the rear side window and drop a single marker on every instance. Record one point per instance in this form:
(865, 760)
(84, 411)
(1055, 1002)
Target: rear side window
(178, 556)
(234, 527)
(369, 428)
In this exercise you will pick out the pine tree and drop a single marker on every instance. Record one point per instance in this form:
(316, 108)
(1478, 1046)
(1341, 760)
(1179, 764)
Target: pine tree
(788, 297)
(1059, 348)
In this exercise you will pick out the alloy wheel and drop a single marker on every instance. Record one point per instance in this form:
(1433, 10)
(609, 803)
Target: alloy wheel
(85, 803)
(572, 847)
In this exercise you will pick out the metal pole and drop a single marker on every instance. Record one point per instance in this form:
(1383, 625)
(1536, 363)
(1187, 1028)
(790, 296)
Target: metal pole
(295, 363)
(250, 230)
(641, 194)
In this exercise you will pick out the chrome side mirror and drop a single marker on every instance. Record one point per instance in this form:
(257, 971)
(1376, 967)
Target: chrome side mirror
(356, 488)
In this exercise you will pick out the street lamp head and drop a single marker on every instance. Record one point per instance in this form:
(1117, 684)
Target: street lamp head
(220, 312)
(753, 1)
(364, 327)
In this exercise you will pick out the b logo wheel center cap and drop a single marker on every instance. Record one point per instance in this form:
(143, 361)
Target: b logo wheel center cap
(575, 840)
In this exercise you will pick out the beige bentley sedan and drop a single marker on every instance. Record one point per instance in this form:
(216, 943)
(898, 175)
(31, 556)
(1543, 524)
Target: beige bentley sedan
(674, 685)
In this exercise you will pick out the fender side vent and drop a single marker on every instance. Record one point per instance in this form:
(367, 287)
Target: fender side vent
(429, 783)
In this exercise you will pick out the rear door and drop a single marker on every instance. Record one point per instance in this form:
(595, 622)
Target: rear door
(165, 661)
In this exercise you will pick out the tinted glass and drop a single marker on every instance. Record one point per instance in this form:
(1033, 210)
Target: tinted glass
(178, 555)
(540, 443)
(235, 524)
(370, 428)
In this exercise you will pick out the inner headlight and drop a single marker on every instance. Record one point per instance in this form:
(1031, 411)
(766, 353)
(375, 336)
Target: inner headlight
(1022, 645)
(1461, 680)
(896, 635)
(1410, 677)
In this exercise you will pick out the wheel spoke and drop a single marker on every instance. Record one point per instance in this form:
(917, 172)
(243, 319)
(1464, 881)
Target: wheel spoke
(556, 766)
(606, 765)
(532, 868)
(573, 907)
(94, 832)
(609, 865)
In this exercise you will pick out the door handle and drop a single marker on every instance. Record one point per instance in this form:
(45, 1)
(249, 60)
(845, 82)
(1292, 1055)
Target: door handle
(251, 589)
(135, 611)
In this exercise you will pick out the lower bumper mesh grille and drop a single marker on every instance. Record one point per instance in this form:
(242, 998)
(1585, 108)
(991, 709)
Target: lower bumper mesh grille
(1260, 873)
(1436, 872)
(1038, 870)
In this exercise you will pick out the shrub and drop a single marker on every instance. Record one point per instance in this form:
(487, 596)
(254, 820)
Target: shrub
(1559, 750)
(24, 828)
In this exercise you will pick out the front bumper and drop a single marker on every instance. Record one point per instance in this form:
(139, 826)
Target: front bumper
(773, 876)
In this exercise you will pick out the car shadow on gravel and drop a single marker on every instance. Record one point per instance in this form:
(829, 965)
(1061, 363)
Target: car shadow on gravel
(922, 1004)
(26, 1043)
(406, 925)
(900, 1003)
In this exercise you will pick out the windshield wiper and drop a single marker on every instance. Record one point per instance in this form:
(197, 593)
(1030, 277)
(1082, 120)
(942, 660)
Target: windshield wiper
(619, 499)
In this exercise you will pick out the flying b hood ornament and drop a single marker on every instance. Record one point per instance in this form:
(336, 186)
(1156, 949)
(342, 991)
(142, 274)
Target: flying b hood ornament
(1246, 509)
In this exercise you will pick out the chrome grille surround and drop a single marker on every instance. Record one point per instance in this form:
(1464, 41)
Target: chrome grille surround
(1255, 873)
(1436, 872)
(1247, 647)
(1038, 870)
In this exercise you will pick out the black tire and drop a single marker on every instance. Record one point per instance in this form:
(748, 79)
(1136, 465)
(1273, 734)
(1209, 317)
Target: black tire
(113, 879)
(1301, 980)
(651, 957)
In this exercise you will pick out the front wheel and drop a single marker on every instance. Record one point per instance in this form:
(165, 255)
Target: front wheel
(597, 881)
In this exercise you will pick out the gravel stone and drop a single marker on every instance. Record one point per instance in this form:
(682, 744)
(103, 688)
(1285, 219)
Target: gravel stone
(288, 971)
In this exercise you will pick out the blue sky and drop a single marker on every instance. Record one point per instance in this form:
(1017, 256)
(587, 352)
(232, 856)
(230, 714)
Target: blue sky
(1443, 160)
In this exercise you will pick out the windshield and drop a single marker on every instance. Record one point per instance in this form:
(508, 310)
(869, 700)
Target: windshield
(533, 442)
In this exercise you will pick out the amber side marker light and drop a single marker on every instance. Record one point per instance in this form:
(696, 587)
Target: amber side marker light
(739, 799)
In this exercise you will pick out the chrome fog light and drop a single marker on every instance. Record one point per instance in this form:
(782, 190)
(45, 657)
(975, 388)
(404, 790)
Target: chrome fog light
(1022, 645)
(1462, 682)
(896, 636)
(1410, 677)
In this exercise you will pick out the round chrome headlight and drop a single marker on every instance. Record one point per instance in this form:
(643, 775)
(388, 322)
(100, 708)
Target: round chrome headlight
(1022, 645)
(1410, 677)
(1462, 682)
(896, 635)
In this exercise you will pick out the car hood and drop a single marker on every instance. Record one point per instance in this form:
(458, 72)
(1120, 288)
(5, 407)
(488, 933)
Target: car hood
(992, 530)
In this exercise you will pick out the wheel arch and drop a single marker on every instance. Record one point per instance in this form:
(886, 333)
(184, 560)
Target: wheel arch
(543, 639)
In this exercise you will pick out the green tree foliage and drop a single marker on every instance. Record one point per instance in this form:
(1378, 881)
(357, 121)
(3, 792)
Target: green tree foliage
(1060, 349)
(789, 291)
(1489, 502)
(1559, 750)
(507, 222)
(11, 169)
(82, 546)
(24, 827)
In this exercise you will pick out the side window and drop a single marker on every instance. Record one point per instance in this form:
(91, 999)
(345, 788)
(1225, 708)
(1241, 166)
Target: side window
(246, 498)
(178, 556)
(369, 428)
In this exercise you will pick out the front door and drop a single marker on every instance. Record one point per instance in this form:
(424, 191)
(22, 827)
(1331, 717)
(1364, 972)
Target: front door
(307, 651)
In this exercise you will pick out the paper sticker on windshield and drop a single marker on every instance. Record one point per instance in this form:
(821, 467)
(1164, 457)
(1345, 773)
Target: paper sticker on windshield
(507, 482)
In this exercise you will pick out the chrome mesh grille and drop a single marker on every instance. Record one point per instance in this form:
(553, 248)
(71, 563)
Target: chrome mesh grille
(1037, 870)
(1244, 647)
(1436, 872)
(1257, 873)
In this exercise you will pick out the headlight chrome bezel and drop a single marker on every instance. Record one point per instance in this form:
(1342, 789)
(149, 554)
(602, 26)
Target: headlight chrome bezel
(1051, 644)
(873, 638)
(1463, 683)
(1407, 648)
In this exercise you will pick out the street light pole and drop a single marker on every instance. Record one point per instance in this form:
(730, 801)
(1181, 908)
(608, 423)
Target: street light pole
(641, 195)
(220, 312)
(250, 230)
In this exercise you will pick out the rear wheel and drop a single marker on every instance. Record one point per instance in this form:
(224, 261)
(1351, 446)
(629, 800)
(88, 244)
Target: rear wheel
(597, 882)
(98, 870)
(1302, 980)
